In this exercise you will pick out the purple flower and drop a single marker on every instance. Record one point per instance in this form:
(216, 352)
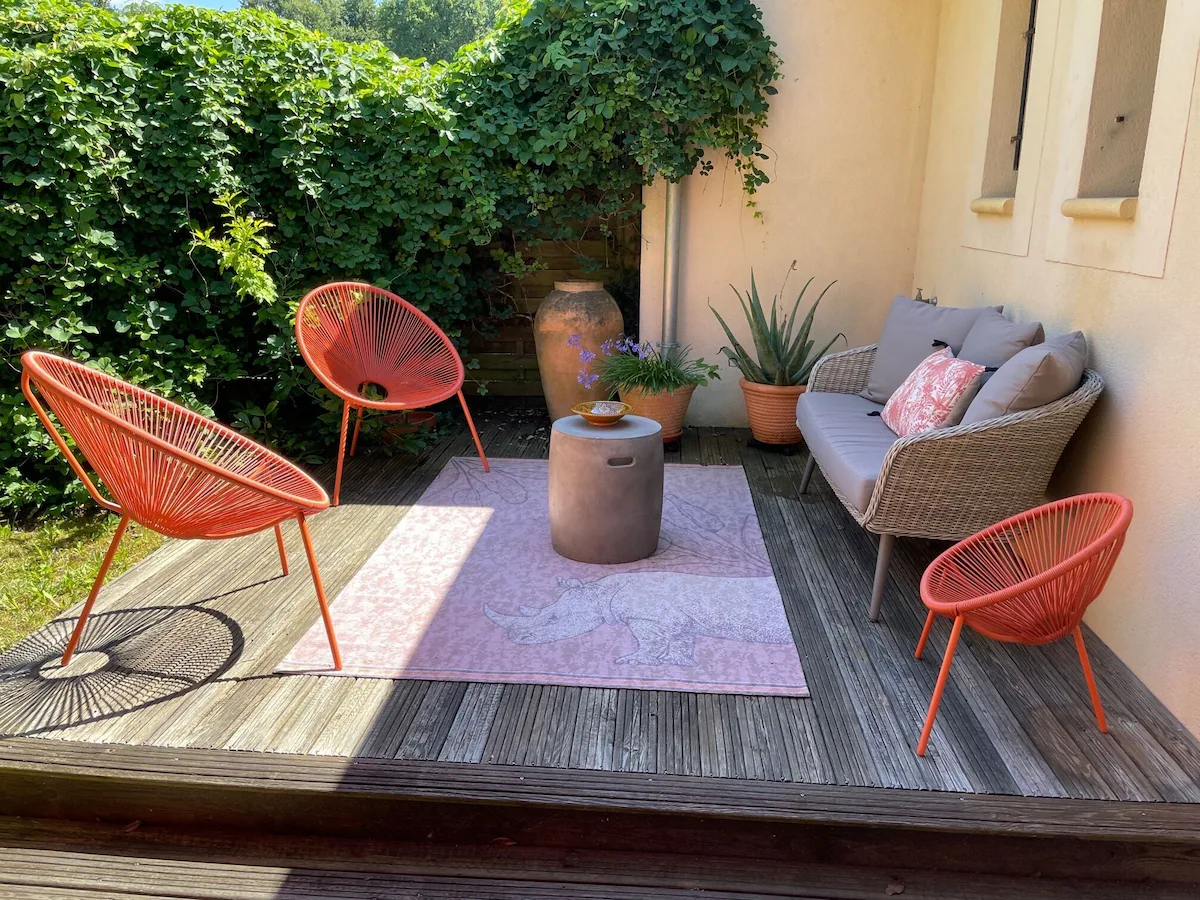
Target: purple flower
(644, 350)
(585, 379)
(586, 356)
(607, 347)
(574, 340)
(626, 345)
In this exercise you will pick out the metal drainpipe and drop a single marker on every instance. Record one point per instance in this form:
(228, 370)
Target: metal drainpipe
(670, 306)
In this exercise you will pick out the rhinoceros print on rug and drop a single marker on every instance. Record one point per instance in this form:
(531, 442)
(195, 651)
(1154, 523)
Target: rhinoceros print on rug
(666, 612)
(467, 587)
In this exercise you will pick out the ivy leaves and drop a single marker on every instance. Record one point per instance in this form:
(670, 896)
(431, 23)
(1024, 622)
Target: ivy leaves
(242, 251)
(172, 180)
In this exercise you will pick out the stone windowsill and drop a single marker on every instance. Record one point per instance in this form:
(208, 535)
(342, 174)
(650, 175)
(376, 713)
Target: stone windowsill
(1100, 207)
(992, 206)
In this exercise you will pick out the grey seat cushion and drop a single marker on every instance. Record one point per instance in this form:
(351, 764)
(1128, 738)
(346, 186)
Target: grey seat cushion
(908, 336)
(1034, 377)
(993, 340)
(849, 445)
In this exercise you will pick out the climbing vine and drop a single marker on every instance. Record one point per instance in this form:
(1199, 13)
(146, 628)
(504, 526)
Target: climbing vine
(173, 180)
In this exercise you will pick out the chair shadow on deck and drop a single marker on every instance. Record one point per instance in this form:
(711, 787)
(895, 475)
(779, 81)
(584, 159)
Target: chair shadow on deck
(128, 659)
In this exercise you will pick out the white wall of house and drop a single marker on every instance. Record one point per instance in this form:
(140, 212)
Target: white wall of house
(1133, 287)
(847, 140)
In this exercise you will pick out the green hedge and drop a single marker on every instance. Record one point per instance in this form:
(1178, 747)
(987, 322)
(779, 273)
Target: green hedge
(118, 134)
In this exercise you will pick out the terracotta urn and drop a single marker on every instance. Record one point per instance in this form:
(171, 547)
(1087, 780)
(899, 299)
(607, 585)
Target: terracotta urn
(584, 308)
(667, 408)
(772, 411)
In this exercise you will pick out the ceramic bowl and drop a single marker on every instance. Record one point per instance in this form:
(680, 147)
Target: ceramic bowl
(601, 418)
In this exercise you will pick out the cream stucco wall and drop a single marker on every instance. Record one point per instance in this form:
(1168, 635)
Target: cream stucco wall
(847, 138)
(877, 150)
(1143, 438)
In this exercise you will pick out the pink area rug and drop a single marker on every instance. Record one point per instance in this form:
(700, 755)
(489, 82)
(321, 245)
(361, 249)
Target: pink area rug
(468, 588)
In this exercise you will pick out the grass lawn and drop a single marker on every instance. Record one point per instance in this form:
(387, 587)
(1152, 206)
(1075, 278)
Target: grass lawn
(47, 567)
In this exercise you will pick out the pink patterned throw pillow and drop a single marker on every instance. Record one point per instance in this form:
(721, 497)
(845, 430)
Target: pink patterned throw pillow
(936, 394)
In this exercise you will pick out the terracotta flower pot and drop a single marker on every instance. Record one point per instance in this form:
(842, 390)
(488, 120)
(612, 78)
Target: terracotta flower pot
(667, 408)
(772, 411)
(400, 425)
(573, 307)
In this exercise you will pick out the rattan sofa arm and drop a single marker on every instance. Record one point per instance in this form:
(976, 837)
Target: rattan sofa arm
(843, 373)
(949, 483)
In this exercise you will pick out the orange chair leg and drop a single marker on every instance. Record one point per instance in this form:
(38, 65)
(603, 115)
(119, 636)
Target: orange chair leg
(474, 433)
(337, 479)
(943, 676)
(282, 551)
(925, 634)
(1091, 680)
(91, 600)
(316, 575)
(357, 426)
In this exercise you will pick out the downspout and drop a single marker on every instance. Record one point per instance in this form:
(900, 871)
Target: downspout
(670, 304)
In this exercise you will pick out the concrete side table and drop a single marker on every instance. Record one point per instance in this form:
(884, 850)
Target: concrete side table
(606, 489)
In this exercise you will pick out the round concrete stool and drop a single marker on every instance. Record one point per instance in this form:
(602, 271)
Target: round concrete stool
(606, 489)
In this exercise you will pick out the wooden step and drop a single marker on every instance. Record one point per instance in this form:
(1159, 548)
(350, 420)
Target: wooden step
(596, 812)
(146, 774)
(52, 859)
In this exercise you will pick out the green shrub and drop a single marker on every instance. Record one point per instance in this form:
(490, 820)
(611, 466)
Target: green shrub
(128, 141)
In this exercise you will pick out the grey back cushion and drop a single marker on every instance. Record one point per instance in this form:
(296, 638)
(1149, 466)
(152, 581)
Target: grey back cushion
(908, 336)
(1034, 377)
(993, 340)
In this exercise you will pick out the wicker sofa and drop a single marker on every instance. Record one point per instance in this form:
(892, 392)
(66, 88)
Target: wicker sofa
(947, 483)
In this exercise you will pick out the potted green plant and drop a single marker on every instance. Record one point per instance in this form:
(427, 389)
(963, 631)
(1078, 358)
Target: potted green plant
(657, 383)
(778, 373)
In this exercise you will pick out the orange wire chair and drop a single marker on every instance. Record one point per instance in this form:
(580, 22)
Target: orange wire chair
(357, 337)
(168, 468)
(1027, 580)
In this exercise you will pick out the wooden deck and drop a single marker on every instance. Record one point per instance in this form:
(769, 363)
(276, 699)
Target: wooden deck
(177, 672)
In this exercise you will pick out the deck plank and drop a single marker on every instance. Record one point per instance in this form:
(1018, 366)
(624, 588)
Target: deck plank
(303, 728)
(635, 742)
(599, 730)
(432, 721)
(31, 849)
(810, 762)
(841, 730)
(30, 766)
(1137, 740)
(851, 647)
(554, 726)
(502, 722)
(386, 733)
(468, 733)
(517, 722)
(283, 703)
(358, 707)
(888, 652)
(220, 869)
(993, 735)
(1015, 721)
(1055, 745)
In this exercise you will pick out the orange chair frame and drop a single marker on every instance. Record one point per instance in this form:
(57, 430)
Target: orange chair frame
(1028, 579)
(147, 452)
(353, 335)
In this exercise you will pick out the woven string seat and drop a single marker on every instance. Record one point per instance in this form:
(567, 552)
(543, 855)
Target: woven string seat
(166, 467)
(375, 350)
(1028, 579)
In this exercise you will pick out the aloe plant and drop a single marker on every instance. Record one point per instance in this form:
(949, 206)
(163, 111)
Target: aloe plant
(784, 351)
